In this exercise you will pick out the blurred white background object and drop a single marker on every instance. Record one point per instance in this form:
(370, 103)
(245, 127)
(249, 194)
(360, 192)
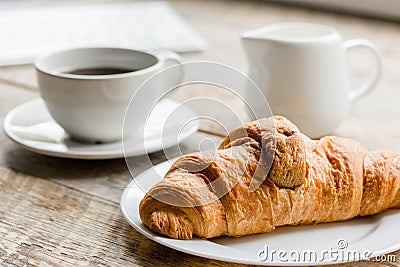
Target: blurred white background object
(378, 8)
(28, 30)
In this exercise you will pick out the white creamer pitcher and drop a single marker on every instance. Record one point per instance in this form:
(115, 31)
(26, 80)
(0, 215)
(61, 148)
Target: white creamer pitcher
(301, 69)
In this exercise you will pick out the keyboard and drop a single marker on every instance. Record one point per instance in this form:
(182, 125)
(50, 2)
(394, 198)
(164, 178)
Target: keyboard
(26, 33)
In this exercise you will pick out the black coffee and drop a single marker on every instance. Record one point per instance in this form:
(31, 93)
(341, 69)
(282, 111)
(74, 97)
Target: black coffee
(99, 71)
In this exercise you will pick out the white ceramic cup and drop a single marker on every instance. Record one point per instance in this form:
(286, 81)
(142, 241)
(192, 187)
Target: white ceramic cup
(91, 107)
(301, 69)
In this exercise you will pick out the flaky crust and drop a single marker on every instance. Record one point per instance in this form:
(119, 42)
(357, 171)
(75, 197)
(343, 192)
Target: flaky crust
(297, 181)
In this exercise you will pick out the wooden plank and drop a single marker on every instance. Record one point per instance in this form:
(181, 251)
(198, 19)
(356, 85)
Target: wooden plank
(72, 217)
(44, 223)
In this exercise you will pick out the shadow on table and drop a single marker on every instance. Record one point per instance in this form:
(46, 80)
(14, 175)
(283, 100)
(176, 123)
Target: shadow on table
(146, 252)
(43, 166)
(51, 167)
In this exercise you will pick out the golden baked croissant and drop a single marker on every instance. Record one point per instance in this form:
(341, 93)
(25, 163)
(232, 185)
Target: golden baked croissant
(210, 194)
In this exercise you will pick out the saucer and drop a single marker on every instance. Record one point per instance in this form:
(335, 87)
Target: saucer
(31, 126)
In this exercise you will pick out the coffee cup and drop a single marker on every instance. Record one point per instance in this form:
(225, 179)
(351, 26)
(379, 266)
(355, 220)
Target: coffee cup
(302, 71)
(87, 90)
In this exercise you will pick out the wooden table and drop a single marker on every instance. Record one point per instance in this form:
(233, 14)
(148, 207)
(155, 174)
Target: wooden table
(66, 212)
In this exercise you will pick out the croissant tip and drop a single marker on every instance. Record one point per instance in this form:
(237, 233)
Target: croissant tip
(170, 224)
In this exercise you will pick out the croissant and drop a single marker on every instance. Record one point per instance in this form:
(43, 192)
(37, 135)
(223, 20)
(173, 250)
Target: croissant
(268, 174)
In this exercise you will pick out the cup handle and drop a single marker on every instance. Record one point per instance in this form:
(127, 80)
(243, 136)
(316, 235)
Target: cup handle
(172, 59)
(371, 83)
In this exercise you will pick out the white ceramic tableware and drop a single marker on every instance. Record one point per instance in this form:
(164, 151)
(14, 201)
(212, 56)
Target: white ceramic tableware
(31, 126)
(91, 107)
(301, 69)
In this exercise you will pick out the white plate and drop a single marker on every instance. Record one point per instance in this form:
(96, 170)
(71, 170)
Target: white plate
(34, 112)
(377, 234)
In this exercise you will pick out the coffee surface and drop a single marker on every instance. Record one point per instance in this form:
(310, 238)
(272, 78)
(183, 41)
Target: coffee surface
(99, 71)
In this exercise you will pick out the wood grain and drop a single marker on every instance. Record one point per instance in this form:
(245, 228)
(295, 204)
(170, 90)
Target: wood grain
(62, 212)
(56, 225)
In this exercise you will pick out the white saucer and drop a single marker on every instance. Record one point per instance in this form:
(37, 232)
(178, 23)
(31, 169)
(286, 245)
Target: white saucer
(371, 235)
(53, 141)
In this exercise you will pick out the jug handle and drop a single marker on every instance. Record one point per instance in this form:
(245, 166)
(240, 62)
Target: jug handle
(371, 83)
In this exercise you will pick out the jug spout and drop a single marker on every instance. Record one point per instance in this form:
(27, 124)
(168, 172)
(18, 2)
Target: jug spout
(255, 42)
(257, 35)
(254, 46)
